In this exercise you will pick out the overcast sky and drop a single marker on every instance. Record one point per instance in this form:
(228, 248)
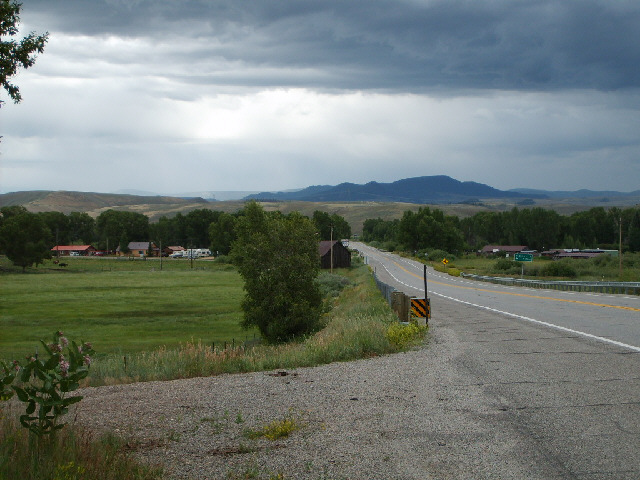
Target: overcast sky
(174, 96)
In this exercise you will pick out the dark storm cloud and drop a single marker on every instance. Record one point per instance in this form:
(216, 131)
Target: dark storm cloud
(374, 44)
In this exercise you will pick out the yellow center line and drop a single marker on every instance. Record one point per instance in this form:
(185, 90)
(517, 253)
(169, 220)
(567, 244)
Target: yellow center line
(581, 302)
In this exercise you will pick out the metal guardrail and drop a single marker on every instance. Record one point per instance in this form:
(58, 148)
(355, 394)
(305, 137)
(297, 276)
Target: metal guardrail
(627, 288)
(387, 290)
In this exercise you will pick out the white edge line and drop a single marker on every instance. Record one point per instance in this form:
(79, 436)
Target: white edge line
(528, 319)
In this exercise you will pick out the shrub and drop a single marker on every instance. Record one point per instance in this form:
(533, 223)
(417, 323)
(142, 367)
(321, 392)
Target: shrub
(403, 335)
(438, 255)
(561, 268)
(454, 272)
(506, 266)
(331, 284)
(223, 259)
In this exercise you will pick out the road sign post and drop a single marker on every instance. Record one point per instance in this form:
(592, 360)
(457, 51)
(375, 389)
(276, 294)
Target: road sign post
(523, 257)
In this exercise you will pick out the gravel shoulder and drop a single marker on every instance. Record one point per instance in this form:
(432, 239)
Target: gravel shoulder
(414, 415)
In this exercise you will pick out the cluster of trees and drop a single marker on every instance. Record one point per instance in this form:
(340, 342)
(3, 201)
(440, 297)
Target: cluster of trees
(537, 228)
(112, 228)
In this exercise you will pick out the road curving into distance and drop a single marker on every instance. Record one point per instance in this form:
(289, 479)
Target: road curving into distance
(608, 318)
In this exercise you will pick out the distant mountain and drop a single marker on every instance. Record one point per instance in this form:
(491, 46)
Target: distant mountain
(210, 195)
(437, 189)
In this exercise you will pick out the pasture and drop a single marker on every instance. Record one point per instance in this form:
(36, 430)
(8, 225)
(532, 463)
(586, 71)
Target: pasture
(121, 306)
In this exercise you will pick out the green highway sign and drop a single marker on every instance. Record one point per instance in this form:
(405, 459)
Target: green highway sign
(523, 257)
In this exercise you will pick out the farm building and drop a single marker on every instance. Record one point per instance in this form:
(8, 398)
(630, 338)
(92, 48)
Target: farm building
(75, 249)
(140, 249)
(341, 254)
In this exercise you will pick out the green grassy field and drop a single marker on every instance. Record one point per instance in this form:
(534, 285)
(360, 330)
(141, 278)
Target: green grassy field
(121, 306)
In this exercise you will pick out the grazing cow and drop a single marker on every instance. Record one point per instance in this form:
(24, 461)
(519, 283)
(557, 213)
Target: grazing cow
(63, 265)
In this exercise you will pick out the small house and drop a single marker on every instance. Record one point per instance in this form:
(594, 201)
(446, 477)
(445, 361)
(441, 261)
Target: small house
(502, 249)
(172, 249)
(336, 251)
(83, 250)
(140, 249)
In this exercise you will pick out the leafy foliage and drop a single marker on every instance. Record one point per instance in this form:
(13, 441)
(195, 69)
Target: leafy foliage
(114, 226)
(44, 384)
(14, 54)
(25, 239)
(278, 258)
(331, 227)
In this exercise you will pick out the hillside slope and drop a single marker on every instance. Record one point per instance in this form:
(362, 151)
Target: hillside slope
(94, 203)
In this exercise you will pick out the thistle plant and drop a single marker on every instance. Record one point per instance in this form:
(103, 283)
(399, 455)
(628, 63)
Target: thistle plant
(43, 385)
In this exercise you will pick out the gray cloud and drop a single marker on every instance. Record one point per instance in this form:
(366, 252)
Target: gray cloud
(188, 95)
(383, 44)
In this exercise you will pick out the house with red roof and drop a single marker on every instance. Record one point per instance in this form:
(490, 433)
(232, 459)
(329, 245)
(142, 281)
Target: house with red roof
(83, 250)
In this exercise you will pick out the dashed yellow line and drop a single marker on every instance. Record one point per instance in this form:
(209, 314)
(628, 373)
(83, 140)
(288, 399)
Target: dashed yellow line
(581, 302)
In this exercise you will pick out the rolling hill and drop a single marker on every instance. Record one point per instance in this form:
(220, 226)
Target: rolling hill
(355, 203)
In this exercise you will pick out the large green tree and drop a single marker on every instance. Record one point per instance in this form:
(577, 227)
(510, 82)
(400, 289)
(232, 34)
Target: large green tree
(222, 233)
(428, 228)
(634, 232)
(331, 226)
(115, 227)
(15, 54)
(197, 226)
(278, 258)
(25, 239)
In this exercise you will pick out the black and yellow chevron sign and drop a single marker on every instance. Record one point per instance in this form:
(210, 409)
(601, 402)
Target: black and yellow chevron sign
(421, 307)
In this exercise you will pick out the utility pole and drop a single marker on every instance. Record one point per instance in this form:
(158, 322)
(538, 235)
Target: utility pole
(620, 249)
(331, 248)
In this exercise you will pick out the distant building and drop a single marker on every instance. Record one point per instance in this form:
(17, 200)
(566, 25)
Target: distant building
(170, 250)
(581, 254)
(495, 249)
(140, 249)
(75, 249)
(341, 254)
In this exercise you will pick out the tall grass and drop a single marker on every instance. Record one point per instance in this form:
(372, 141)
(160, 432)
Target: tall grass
(357, 326)
(72, 454)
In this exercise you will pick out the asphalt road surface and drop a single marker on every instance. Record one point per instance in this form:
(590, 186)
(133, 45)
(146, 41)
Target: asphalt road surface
(563, 367)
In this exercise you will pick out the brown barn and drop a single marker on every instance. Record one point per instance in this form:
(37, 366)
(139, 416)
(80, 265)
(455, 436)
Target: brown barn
(341, 254)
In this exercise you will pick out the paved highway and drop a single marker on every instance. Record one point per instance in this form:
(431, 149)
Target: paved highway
(608, 318)
(529, 383)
